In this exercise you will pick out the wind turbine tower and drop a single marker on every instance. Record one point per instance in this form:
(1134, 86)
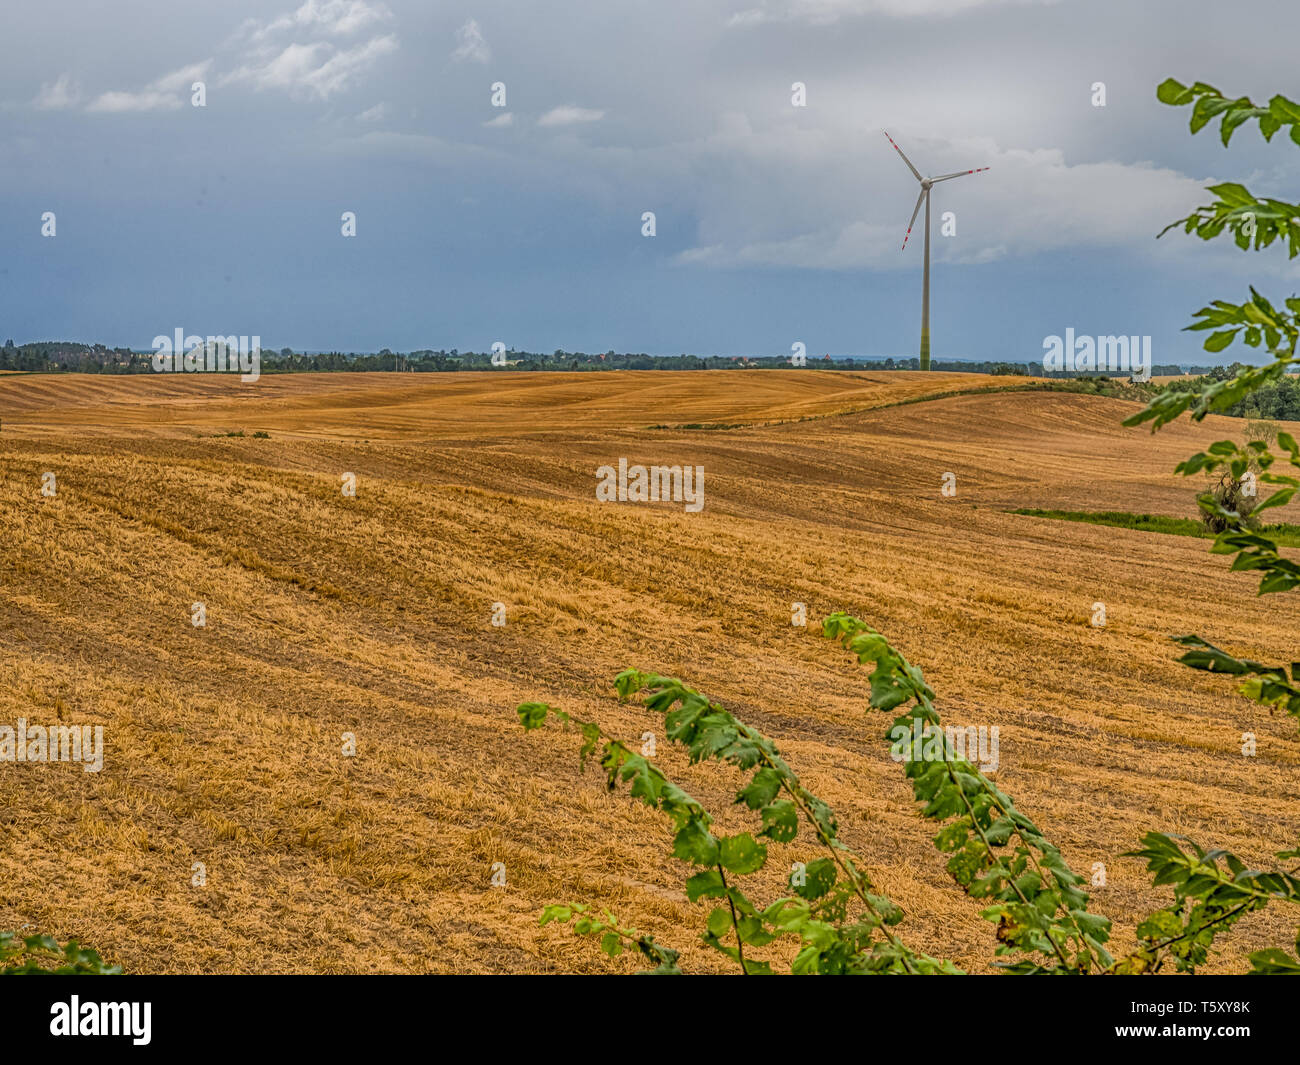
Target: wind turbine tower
(926, 184)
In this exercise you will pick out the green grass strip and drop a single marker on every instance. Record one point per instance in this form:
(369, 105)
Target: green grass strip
(1283, 534)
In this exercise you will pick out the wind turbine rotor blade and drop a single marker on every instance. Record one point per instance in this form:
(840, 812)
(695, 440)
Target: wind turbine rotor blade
(915, 211)
(916, 173)
(960, 173)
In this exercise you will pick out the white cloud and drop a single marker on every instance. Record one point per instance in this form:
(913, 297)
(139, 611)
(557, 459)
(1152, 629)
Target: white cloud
(318, 69)
(337, 18)
(181, 80)
(122, 102)
(374, 114)
(801, 198)
(158, 95)
(470, 43)
(59, 96)
(823, 12)
(501, 121)
(312, 66)
(568, 115)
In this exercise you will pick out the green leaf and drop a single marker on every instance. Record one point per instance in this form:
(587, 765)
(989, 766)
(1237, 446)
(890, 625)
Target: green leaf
(762, 789)
(532, 715)
(741, 854)
(1173, 93)
(819, 878)
(1273, 962)
(1232, 193)
(1220, 340)
(719, 922)
(780, 821)
(1284, 110)
(695, 843)
(707, 884)
(1163, 924)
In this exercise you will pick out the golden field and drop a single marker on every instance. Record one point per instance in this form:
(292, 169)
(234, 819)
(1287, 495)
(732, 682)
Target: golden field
(328, 615)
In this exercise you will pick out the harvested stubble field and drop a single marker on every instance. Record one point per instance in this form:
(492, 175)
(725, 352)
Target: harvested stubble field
(372, 615)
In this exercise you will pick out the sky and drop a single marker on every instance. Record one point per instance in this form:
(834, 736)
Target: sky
(775, 224)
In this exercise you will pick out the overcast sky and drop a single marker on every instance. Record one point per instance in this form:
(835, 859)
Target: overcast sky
(775, 223)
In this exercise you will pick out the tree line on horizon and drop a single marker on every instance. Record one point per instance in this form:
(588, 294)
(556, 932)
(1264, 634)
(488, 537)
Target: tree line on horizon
(1279, 400)
(77, 357)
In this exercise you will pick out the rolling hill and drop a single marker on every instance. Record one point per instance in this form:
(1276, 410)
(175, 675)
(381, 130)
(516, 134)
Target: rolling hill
(372, 615)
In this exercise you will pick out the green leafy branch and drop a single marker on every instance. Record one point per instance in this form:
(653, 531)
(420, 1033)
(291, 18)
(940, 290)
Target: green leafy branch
(1257, 322)
(708, 731)
(694, 841)
(1267, 685)
(1208, 899)
(843, 924)
(1208, 397)
(614, 937)
(1040, 908)
(42, 955)
(1210, 103)
(1251, 219)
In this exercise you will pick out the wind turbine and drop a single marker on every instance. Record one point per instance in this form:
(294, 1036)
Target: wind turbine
(926, 184)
